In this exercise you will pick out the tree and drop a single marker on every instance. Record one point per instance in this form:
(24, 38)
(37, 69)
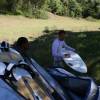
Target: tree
(74, 8)
(37, 4)
(56, 7)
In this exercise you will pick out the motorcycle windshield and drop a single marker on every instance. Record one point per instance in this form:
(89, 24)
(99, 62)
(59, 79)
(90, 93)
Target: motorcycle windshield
(7, 93)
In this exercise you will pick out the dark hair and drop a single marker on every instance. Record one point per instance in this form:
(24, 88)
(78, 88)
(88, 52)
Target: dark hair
(21, 41)
(61, 32)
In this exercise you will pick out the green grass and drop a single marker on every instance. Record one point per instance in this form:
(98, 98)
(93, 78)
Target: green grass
(12, 27)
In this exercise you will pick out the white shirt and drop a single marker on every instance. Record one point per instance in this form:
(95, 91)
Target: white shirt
(57, 47)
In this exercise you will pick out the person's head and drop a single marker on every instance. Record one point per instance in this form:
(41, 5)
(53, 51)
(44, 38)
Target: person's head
(23, 44)
(61, 35)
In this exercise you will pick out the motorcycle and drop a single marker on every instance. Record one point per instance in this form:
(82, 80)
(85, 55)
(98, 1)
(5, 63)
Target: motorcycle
(77, 87)
(53, 84)
(74, 87)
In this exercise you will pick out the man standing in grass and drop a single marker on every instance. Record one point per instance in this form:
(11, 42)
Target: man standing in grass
(57, 46)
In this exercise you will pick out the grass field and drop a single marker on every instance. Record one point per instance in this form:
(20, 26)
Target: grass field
(12, 27)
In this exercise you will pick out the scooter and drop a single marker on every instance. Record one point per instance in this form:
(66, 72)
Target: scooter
(77, 87)
(57, 83)
(74, 87)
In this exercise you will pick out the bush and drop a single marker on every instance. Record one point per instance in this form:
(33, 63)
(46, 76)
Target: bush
(98, 12)
(18, 12)
(90, 19)
(40, 14)
(56, 7)
(74, 9)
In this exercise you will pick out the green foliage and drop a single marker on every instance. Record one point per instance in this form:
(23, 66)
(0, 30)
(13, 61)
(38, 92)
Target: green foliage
(2, 7)
(2, 2)
(56, 7)
(7, 6)
(97, 15)
(38, 3)
(73, 8)
(90, 8)
(40, 14)
(24, 7)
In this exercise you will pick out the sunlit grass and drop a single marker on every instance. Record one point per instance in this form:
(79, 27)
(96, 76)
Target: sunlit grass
(12, 27)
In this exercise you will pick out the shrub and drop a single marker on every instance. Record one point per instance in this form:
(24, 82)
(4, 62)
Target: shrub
(74, 9)
(56, 7)
(40, 14)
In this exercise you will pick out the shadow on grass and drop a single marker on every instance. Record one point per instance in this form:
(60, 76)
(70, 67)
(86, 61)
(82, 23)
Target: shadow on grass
(87, 44)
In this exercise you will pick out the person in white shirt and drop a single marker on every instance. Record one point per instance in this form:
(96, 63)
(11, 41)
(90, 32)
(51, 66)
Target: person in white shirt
(57, 45)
